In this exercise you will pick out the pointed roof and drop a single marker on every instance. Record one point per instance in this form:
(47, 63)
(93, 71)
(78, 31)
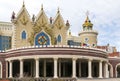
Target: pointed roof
(41, 13)
(23, 9)
(87, 22)
(58, 16)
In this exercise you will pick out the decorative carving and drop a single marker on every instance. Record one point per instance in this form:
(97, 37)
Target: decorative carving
(42, 23)
(59, 25)
(24, 20)
(39, 27)
(49, 31)
(31, 39)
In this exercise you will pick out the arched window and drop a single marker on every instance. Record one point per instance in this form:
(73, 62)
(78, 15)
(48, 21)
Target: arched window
(23, 35)
(59, 38)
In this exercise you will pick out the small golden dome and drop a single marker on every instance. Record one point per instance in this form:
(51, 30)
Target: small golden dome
(87, 23)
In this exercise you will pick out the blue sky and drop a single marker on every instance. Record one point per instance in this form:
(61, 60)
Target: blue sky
(104, 14)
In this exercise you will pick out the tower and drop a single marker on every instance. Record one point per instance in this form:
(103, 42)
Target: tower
(88, 36)
(22, 28)
(60, 29)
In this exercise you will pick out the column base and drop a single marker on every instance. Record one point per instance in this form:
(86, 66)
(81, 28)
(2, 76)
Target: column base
(100, 77)
(55, 77)
(74, 77)
(10, 77)
(21, 76)
(89, 77)
(36, 76)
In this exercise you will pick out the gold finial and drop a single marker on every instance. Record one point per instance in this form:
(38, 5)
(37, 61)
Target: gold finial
(41, 6)
(58, 10)
(87, 14)
(23, 3)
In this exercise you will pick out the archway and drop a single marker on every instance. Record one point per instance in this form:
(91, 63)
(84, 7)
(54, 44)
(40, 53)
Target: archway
(117, 70)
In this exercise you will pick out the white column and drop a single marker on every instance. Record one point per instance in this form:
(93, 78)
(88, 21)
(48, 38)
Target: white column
(106, 70)
(21, 68)
(79, 69)
(55, 68)
(89, 68)
(100, 69)
(74, 67)
(10, 69)
(37, 68)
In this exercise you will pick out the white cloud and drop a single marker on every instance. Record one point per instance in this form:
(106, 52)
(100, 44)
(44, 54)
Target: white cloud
(104, 14)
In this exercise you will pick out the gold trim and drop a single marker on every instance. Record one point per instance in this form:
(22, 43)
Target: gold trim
(38, 28)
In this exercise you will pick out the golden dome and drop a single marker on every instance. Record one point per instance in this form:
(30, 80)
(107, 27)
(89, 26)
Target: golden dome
(87, 23)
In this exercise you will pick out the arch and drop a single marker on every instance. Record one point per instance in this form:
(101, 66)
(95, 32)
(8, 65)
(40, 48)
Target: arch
(23, 35)
(116, 70)
(42, 38)
(110, 69)
(59, 38)
(0, 70)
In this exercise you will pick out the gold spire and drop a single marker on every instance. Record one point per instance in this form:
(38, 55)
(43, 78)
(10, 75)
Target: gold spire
(87, 22)
(41, 6)
(23, 3)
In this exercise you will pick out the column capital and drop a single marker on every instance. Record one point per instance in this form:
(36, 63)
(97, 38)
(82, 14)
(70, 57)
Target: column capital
(55, 58)
(36, 58)
(10, 60)
(90, 59)
(74, 58)
(21, 59)
(100, 60)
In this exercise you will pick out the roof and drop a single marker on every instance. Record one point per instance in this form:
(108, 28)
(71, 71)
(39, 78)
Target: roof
(114, 54)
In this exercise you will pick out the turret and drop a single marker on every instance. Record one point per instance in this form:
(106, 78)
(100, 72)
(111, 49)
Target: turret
(88, 36)
(87, 25)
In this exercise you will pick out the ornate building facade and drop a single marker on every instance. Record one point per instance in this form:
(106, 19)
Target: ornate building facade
(42, 47)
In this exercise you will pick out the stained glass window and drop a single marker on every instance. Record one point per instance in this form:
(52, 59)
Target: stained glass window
(23, 35)
(59, 38)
